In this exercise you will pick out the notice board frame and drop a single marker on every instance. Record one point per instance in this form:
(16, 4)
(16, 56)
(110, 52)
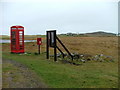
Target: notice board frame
(51, 42)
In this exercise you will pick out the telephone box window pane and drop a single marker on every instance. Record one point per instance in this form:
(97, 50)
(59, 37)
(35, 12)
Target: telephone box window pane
(20, 36)
(20, 39)
(13, 47)
(13, 35)
(20, 32)
(20, 43)
(13, 43)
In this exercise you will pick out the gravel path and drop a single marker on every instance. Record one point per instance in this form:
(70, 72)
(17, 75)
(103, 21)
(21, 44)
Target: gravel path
(16, 75)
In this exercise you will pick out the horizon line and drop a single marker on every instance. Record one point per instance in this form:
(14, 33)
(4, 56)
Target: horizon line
(69, 32)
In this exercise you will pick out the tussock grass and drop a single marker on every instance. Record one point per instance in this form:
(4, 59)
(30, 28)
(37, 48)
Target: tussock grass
(59, 75)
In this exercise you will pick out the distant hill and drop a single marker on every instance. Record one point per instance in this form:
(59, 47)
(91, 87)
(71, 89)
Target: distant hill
(92, 34)
(100, 33)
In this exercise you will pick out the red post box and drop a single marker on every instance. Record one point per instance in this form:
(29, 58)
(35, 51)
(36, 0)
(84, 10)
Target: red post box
(39, 41)
(17, 39)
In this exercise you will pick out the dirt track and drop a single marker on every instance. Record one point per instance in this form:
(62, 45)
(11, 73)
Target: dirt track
(16, 75)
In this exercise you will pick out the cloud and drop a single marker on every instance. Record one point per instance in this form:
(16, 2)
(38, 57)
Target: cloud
(64, 1)
(65, 16)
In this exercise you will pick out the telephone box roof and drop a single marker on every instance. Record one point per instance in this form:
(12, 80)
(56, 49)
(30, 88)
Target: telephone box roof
(17, 26)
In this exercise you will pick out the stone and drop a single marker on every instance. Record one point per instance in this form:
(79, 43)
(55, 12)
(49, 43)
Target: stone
(83, 60)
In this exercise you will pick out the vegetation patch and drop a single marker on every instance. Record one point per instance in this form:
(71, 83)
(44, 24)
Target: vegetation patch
(91, 74)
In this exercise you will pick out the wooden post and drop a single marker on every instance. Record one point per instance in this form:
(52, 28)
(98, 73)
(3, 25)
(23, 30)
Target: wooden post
(64, 47)
(60, 51)
(38, 49)
(55, 45)
(47, 46)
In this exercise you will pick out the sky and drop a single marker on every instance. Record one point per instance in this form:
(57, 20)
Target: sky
(76, 16)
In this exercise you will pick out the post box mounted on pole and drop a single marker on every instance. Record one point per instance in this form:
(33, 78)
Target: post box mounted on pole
(39, 42)
(51, 41)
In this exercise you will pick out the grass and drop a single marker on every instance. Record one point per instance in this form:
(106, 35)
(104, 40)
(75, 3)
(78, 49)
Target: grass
(92, 45)
(59, 75)
(7, 68)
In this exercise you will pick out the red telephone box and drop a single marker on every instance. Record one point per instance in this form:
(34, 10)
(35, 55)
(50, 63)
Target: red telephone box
(17, 39)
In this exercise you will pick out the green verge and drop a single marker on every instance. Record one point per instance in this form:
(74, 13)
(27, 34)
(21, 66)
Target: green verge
(59, 75)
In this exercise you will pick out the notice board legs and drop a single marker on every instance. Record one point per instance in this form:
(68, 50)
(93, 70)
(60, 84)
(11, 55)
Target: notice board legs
(47, 47)
(55, 46)
(51, 41)
(55, 54)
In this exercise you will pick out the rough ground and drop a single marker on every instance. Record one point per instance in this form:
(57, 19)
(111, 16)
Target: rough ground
(16, 75)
